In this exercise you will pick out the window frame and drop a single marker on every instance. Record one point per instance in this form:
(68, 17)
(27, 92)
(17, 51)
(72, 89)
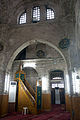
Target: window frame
(35, 21)
(24, 12)
(56, 73)
(51, 10)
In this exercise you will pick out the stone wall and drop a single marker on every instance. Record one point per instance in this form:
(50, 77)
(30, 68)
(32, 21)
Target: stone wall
(42, 68)
(15, 37)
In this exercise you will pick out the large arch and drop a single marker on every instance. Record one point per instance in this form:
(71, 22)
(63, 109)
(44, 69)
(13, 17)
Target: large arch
(47, 89)
(29, 43)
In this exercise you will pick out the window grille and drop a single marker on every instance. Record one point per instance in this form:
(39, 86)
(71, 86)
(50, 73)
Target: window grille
(22, 18)
(50, 14)
(36, 14)
(56, 74)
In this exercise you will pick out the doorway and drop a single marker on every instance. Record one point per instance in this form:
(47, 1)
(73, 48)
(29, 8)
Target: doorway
(57, 87)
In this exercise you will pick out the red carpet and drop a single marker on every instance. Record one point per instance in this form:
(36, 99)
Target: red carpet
(57, 113)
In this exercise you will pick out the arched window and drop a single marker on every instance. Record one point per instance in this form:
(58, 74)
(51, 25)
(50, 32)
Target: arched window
(56, 75)
(22, 18)
(50, 14)
(36, 14)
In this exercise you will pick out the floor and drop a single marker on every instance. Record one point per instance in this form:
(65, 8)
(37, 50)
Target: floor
(57, 113)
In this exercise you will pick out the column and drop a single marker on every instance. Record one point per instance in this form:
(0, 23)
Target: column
(3, 96)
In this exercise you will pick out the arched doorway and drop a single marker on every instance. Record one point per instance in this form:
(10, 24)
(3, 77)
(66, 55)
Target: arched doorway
(57, 87)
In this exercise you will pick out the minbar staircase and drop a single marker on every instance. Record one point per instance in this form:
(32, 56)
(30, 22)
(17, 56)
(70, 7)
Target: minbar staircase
(26, 97)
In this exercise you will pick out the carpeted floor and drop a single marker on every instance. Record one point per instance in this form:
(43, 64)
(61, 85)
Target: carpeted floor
(57, 113)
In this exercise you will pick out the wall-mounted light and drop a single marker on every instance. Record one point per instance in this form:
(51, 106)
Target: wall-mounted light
(57, 78)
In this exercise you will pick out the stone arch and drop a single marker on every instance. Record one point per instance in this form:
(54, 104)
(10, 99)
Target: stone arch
(27, 44)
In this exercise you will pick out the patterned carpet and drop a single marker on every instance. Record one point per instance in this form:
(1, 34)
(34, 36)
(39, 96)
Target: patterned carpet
(57, 113)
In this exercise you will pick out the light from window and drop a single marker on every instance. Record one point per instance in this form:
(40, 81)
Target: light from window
(6, 84)
(22, 18)
(67, 84)
(45, 84)
(50, 14)
(61, 85)
(54, 85)
(36, 14)
(76, 83)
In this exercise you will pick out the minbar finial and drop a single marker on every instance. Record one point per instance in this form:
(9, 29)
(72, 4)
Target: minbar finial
(20, 67)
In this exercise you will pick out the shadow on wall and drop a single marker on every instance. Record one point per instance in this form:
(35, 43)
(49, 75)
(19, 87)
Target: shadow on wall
(31, 76)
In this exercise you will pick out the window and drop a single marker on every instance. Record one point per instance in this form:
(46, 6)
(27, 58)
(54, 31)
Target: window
(50, 14)
(22, 18)
(36, 14)
(56, 75)
(60, 85)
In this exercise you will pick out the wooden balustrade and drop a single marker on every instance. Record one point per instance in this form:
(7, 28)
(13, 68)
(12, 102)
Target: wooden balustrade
(30, 88)
(25, 99)
(28, 92)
